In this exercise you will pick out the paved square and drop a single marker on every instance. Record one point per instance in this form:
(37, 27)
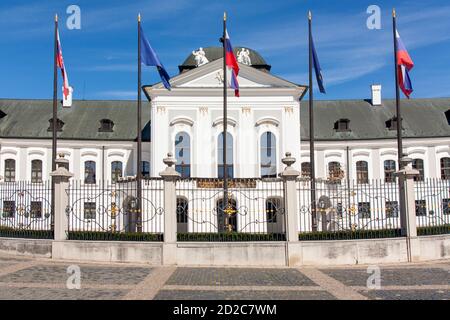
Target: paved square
(58, 294)
(89, 274)
(243, 295)
(239, 277)
(408, 294)
(25, 278)
(392, 276)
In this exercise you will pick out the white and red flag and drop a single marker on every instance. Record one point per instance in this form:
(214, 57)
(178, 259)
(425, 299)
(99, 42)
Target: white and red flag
(232, 64)
(60, 62)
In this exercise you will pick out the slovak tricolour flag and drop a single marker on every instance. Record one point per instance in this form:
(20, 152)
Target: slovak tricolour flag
(404, 65)
(60, 63)
(232, 64)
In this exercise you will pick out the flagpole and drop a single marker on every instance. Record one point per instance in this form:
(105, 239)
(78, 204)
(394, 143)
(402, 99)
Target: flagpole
(139, 134)
(224, 137)
(311, 131)
(397, 95)
(55, 112)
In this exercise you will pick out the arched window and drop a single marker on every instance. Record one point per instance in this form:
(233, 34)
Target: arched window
(418, 165)
(10, 170)
(335, 173)
(145, 170)
(230, 168)
(306, 170)
(89, 172)
(227, 222)
(362, 172)
(183, 154)
(389, 170)
(36, 171)
(182, 215)
(116, 170)
(268, 155)
(445, 168)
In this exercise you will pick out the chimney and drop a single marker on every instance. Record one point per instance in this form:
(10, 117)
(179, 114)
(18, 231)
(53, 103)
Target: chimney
(376, 94)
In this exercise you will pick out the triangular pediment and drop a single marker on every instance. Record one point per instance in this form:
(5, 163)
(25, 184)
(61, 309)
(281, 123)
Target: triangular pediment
(210, 75)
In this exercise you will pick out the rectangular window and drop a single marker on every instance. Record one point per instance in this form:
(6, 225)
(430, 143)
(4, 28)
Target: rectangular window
(446, 206)
(391, 209)
(36, 209)
(10, 170)
(421, 208)
(90, 210)
(9, 209)
(364, 210)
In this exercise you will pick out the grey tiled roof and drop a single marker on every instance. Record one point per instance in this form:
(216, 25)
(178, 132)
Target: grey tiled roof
(30, 119)
(421, 118)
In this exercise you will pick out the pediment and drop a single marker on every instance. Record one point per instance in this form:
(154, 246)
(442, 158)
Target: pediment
(214, 79)
(210, 75)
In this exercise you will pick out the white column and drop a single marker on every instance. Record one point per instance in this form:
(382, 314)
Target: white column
(170, 177)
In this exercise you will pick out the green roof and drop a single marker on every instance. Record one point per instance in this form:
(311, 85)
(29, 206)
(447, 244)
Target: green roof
(30, 119)
(422, 118)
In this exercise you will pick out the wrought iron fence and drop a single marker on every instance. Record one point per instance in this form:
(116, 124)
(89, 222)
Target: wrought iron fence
(349, 210)
(115, 211)
(253, 211)
(432, 197)
(25, 210)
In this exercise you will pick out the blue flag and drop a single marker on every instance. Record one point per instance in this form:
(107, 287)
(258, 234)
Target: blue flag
(317, 68)
(150, 58)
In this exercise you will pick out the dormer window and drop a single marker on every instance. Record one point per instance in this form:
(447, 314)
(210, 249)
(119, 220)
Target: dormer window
(2, 114)
(447, 115)
(59, 125)
(342, 125)
(106, 125)
(391, 124)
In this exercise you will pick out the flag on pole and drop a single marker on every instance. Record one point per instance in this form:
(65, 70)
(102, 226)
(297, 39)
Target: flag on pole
(150, 58)
(60, 63)
(232, 64)
(317, 67)
(404, 65)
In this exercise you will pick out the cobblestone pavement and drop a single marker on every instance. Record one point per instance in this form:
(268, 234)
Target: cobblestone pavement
(32, 278)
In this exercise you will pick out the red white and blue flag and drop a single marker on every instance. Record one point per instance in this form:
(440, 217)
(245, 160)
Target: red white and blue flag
(232, 64)
(404, 65)
(60, 63)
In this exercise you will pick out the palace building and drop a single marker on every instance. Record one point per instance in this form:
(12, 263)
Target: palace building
(355, 138)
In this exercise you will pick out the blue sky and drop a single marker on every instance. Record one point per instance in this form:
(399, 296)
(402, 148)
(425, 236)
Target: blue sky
(101, 57)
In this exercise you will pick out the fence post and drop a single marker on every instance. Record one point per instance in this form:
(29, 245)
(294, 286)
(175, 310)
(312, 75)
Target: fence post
(289, 176)
(170, 176)
(60, 179)
(408, 209)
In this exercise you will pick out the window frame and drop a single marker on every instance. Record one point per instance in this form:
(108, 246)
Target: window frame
(10, 171)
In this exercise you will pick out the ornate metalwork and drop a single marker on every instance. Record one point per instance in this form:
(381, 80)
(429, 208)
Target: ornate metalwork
(114, 209)
(25, 206)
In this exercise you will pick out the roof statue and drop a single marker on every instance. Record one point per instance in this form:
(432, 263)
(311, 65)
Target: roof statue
(200, 57)
(243, 57)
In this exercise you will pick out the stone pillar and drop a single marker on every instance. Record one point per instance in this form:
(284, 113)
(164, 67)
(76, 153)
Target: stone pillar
(170, 176)
(61, 178)
(408, 209)
(289, 176)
